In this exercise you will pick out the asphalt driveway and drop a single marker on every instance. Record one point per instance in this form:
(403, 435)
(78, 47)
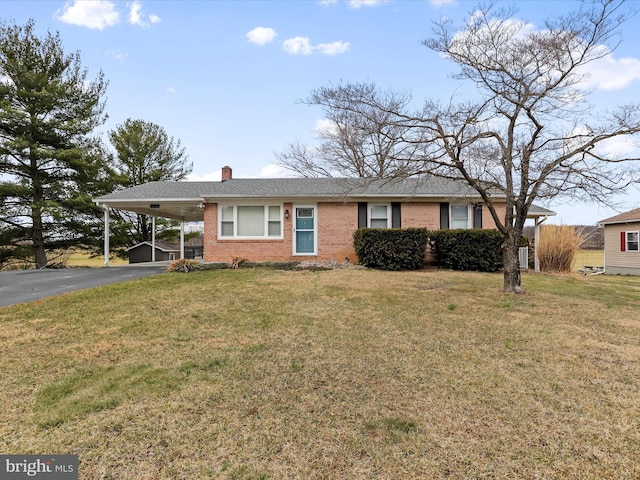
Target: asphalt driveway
(28, 285)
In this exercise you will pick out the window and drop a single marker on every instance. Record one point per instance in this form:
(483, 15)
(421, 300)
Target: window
(274, 221)
(250, 221)
(378, 216)
(632, 242)
(459, 216)
(226, 221)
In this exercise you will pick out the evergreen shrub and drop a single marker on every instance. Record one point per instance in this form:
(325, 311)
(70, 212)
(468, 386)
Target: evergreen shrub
(391, 249)
(476, 250)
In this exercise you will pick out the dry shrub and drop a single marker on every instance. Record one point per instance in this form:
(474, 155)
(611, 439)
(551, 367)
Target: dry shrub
(237, 262)
(182, 265)
(557, 247)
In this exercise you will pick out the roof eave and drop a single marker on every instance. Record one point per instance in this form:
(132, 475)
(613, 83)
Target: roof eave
(107, 201)
(618, 222)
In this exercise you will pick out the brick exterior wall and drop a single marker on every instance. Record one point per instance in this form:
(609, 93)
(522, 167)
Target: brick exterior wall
(336, 223)
(426, 215)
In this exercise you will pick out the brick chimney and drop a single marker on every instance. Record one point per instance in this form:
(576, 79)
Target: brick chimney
(226, 173)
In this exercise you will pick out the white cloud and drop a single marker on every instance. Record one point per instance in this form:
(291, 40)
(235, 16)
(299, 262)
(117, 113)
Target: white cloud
(359, 3)
(303, 46)
(171, 90)
(274, 171)
(298, 46)
(441, 3)
(365, 3)
(618, 146)
(332, 48)
(137, 17)
(324, 127)
(214, 176)
(261, 35)
(97, 14)
(610, 73)
(117, 54)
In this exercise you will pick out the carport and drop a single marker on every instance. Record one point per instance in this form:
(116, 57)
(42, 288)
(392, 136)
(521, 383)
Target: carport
(144, 199)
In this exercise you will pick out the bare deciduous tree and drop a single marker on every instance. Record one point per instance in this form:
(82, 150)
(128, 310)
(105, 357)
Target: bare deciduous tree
(358, 138)
(530, 133)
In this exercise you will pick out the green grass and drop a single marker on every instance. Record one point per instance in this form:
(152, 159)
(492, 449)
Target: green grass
(595, 258)
(82, 258)
(263, 374)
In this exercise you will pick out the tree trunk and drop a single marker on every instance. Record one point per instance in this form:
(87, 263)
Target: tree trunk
(37, 233)
(37, 237)
(512, 281)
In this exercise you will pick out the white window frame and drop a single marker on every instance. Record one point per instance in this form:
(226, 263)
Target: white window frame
(370, 216)
(266, 220)
(469, 215)
(637, 242)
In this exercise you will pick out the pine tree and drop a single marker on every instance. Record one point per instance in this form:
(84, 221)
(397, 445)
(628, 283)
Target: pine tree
(144, 152)
(49, 164)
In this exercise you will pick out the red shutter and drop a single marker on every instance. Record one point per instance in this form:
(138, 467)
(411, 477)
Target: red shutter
(623, 241)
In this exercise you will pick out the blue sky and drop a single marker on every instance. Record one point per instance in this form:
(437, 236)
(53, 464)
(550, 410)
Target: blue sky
(224, 77)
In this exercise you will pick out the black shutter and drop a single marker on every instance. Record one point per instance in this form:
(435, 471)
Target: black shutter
(396, 218)
(444, 215)
(477, 215)
(362, 214)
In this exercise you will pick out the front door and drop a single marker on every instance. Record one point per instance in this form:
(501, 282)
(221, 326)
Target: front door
(304, 231)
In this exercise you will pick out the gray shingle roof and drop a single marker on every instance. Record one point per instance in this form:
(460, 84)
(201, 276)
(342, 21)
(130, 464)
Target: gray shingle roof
(294, 188)
(536, 210)
(182, 200)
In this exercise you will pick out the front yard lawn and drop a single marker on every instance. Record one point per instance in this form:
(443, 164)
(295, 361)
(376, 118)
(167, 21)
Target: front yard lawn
(360, 374)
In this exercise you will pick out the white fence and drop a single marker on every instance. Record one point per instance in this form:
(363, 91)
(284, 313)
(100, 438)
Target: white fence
(523, 257)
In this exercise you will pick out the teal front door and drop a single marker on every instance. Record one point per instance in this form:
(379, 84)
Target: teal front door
(305, 231)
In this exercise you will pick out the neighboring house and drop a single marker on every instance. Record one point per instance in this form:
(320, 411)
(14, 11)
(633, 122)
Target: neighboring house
(289, 219)
(142, 252)
(621, 243)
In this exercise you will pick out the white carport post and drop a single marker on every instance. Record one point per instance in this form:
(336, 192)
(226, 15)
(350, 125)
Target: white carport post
(182, 239)
(153, 238)
(536, 236)
(106, 236)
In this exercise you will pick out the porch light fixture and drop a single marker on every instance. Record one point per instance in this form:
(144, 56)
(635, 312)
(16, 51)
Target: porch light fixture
(286, 214)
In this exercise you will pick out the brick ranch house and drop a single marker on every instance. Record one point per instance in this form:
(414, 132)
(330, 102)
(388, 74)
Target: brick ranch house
(293, 219)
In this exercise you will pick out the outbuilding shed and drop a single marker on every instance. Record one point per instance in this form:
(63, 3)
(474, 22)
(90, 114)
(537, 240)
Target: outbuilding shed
(142, 252)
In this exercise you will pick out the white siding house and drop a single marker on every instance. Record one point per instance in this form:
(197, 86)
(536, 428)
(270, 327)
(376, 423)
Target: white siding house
(622, 243)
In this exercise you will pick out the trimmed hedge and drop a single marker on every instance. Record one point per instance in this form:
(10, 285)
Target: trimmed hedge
(391, 249)
(478, 250)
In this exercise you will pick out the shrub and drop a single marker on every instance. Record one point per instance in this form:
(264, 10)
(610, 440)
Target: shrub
(391, 249)
(477, 250)
(183, 265)
(557, 247)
